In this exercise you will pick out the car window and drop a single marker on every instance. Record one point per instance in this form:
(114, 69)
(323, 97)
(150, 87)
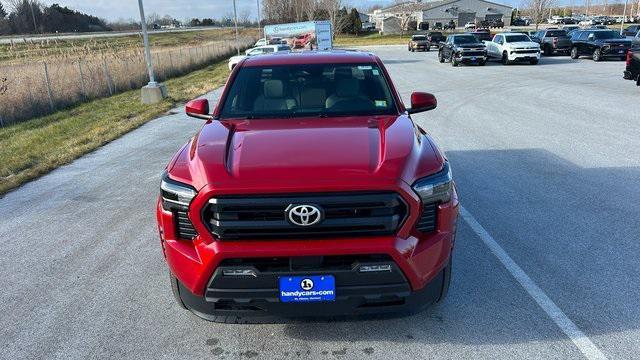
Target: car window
(465, 39)
(498, 38)
(284, 48)
(435, 33)
(418, 37)
(255, 52)
(607, 35)
(516, 38)
(556, 33)
(308, 90)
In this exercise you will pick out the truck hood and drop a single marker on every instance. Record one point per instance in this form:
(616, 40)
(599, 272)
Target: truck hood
(307, 151)
(523, 44)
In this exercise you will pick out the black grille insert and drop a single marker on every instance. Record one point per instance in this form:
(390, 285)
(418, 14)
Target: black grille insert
(260, 217)
(429, 219)
(184, 227)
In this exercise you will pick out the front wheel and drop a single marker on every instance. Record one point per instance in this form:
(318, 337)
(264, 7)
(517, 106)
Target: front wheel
(482, 62)
(547, 50)
(505, 59)
(597, 55)
(440, 57)
(428, 48)
(533, 61)
(454, 62)
(574, 53)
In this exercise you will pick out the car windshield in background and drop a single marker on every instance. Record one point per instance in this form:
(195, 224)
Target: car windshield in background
(557, 33)
(435, 33)
(284, 48)
(308, 90)
(517, 38)
(419, 37)
(458, 40)
(607, 35)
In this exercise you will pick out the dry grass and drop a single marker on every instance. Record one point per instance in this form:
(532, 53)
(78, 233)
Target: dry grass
(57, 74)
(33, 148)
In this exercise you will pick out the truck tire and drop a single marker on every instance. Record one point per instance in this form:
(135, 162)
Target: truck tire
(454, 62)
(574, 53)
(597, 55)
(440, 57)
(505, 59)
(547, 50)
(446, 281)
(428, 48)
(175, 290)
(533, 61)
(482, 62)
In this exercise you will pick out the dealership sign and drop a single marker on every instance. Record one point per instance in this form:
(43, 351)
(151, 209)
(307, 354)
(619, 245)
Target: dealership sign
(304, 35)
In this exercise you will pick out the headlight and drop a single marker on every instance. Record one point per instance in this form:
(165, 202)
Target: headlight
(175, 195)
(435, 188)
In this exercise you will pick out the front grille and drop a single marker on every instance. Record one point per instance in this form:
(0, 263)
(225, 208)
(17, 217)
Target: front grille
(473, 53)
(429, 219)
(184, 227)
(262, 217)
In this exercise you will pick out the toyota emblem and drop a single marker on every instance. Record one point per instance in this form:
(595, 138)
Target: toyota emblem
(304, 215)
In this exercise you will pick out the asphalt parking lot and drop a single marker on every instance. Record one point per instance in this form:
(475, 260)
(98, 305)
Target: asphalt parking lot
(547, 162)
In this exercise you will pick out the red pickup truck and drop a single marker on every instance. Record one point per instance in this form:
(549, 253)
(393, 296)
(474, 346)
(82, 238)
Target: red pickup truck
(309, 191)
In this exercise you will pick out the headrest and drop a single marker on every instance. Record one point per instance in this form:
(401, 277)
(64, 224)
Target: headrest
(273, 89)
(348, 88)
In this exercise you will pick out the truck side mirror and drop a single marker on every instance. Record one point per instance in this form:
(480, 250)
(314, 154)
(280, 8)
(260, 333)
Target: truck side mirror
(421, 102)
(198, 109)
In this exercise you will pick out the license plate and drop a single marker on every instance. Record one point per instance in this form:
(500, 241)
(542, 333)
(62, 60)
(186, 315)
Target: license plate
(621, 51)
(473, 58)
(307, 288)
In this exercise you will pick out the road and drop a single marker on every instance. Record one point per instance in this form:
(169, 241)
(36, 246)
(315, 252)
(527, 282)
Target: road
(81, 36)
(547, 163)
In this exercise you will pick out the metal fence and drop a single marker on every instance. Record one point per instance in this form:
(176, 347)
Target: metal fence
(34, 89)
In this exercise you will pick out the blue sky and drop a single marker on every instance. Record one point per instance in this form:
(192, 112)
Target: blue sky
(182, 9)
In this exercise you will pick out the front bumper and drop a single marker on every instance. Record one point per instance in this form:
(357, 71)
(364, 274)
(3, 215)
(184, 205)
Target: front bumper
(257, 297)
(419, 259)
(614, 52)
(514, 56)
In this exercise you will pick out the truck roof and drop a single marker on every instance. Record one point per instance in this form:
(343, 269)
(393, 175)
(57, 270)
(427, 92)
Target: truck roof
(311, 57)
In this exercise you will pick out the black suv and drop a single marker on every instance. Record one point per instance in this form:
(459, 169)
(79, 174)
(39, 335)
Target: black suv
(599, 44)
(463, 48)
(553, 41)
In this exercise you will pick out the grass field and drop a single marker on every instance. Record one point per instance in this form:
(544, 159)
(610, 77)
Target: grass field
(35, 147)
(53, 48)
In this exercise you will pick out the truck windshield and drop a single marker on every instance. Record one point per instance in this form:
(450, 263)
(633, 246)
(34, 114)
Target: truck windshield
(308, 90)
(419, 38)
(458, 40)
(517, 38)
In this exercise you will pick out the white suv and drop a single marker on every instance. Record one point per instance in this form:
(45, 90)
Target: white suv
(267, 49)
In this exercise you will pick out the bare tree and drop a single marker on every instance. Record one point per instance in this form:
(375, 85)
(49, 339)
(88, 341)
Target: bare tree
(405, 11)
(537, 9)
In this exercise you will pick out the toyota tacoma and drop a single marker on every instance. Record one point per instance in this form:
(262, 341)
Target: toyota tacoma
(308, 191)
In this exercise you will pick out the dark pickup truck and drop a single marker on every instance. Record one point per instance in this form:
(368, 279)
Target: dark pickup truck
(462, 48)
(632, 72)
(553, 41)
(434, 38)
(599, 44)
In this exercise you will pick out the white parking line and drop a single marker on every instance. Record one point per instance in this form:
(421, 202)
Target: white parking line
(584, 344)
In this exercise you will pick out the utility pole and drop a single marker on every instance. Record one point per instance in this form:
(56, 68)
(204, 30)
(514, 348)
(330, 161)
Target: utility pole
(153, 92)
(259, 19)
(235, 17)
(33, 16)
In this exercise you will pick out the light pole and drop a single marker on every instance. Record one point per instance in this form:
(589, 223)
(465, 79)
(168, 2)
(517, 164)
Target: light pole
(152, 92)
(624, 16)
(235, 19)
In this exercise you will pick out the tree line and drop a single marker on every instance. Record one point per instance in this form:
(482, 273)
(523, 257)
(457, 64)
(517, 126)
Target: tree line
(343, 20)
(33, 17)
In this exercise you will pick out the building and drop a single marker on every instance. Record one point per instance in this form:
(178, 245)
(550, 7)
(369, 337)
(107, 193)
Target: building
(427, 14)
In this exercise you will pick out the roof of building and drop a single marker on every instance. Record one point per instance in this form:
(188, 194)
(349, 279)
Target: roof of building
(427, 5)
